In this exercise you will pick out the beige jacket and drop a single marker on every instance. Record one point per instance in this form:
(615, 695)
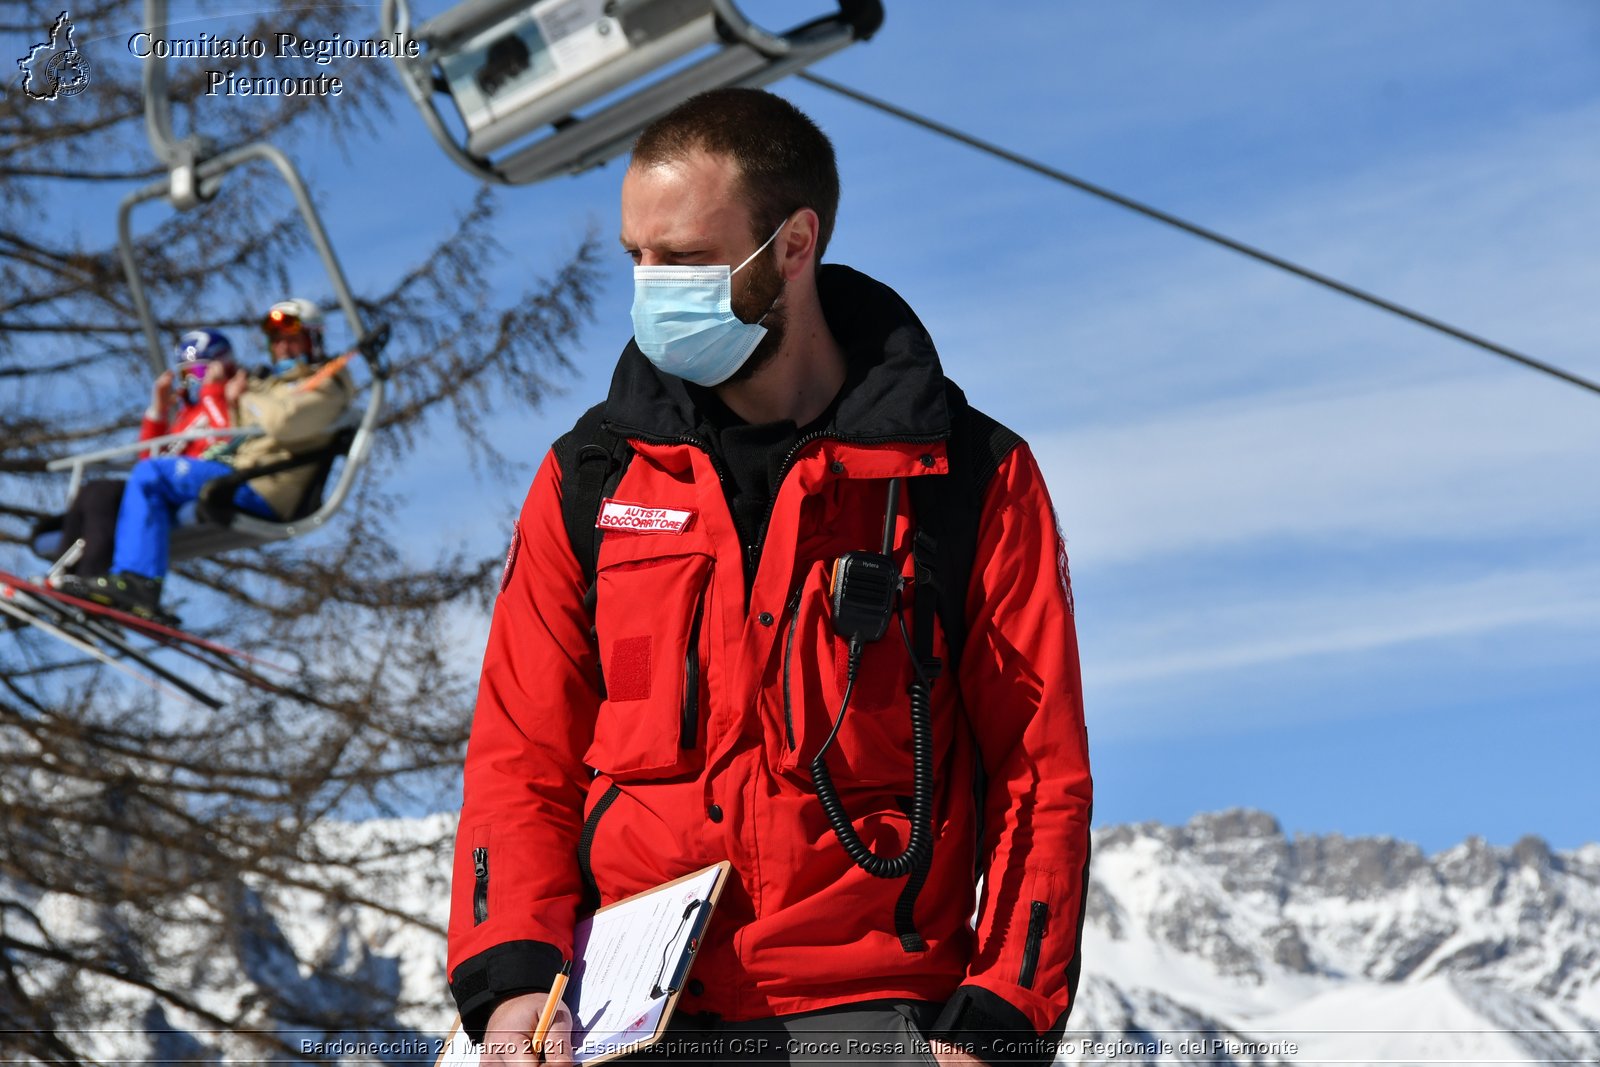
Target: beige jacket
(295, 422)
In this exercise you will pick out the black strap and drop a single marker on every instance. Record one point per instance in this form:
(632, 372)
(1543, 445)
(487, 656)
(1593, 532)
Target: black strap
(949, 508)
(591, 891)
(593, 460)
(930, 597)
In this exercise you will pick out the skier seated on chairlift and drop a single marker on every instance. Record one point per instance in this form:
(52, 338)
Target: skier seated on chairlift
(203, 365)
(296, 416)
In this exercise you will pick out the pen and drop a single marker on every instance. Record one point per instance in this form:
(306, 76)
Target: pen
(548, 1016)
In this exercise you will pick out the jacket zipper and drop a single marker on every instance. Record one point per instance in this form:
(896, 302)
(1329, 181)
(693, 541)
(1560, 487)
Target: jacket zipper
(689, 727)
(788, 646)
(772, 505)
(480, 891)
(1038, 916)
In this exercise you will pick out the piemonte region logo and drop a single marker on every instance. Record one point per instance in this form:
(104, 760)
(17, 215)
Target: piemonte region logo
(55, 68)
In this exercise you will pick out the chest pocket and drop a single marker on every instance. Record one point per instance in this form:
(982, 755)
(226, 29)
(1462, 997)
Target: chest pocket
(650, 616)
(873, 747)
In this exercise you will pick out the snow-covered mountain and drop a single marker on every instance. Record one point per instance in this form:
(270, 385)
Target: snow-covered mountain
(1222, 941)
(1225, 941)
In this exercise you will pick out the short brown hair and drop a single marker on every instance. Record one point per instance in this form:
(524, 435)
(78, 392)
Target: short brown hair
(785, 162)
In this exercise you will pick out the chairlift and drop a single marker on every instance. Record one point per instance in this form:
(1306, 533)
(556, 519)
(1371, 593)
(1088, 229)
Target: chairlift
(195, 175)
(511, 67)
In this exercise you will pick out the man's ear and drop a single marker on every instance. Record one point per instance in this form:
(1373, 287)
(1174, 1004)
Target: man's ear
(797, 245)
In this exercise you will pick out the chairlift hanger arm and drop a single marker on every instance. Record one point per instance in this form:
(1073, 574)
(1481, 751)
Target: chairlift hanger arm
(208, 172)
(195, 174)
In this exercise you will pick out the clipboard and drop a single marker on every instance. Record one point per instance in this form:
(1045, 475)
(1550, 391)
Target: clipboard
(631, 960)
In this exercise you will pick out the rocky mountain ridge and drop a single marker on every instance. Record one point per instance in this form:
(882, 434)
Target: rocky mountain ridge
(1366, 947)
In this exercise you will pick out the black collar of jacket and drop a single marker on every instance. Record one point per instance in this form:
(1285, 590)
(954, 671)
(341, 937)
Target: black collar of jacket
(894, 386)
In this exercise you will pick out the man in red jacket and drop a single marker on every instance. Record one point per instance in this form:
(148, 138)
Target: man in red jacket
(673, 714)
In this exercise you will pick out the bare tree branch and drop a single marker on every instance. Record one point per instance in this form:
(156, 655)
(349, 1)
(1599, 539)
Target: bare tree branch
(162, 836)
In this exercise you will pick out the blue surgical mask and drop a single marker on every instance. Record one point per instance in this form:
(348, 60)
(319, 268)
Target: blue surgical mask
(683, 320)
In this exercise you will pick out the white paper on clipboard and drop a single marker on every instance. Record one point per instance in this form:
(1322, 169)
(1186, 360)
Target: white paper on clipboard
(630, 960)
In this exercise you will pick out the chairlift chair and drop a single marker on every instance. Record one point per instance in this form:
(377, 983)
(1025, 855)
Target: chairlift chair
(511, 67)
(212, 524)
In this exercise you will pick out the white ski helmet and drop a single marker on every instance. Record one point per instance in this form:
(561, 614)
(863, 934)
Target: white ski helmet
(293, 315)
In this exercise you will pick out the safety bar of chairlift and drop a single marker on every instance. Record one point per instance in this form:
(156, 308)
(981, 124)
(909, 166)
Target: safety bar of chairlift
(78, 463)
(157, 106)
(754, 57)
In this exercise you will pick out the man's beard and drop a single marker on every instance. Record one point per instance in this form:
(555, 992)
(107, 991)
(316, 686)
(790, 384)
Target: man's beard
(762, 296)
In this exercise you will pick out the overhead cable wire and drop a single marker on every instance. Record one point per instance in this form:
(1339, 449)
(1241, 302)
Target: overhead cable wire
(1202, 232)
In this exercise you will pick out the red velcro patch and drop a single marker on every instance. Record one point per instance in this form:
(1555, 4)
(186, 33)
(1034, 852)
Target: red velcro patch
(628, 677)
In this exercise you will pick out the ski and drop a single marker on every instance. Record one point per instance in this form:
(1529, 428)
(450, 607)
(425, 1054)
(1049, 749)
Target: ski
(21, 614)
(148, 627)
(81, 624)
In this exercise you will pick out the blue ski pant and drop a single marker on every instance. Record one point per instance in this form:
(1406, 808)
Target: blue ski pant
(157, 488)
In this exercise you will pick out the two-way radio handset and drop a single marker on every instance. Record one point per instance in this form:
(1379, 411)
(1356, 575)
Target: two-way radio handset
(862, 596)
(864, 585)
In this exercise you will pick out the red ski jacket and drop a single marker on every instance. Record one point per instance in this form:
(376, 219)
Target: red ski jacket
(210, 412)
(679, 730)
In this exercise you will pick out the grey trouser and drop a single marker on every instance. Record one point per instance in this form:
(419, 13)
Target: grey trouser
(887, 1032)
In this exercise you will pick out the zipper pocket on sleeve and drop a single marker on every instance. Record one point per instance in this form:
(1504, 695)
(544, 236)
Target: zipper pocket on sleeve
(480, 889)
(689, 725)
(1038, 918)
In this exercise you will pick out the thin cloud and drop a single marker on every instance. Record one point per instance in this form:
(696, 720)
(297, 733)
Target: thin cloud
(1393, 468)
(1273, 629)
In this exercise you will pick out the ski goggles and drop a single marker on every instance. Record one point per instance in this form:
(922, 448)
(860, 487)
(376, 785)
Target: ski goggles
(280, 323)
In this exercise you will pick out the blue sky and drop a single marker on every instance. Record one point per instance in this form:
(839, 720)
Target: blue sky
(1327, 563)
